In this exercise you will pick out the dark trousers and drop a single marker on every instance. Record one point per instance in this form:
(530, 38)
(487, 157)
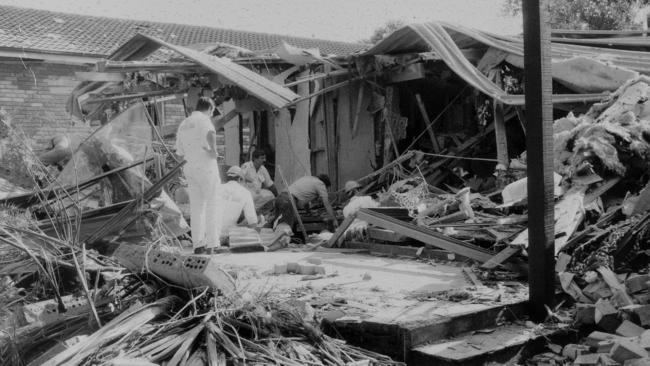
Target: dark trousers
(283, 207)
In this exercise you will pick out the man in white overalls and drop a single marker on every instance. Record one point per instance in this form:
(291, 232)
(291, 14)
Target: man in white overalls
(196, 141)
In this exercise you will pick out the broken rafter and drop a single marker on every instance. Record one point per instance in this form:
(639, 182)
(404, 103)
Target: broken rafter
(117, 98)
(317, 76)
(133, 66)
(123, 218)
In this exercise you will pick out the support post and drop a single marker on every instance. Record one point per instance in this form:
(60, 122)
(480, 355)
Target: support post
(539, 142)
(331, 121)
(500, 129)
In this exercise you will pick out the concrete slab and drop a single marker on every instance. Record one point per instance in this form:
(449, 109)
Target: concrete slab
(385, 304)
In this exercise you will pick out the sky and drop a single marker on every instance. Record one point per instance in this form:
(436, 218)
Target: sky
(341, 20)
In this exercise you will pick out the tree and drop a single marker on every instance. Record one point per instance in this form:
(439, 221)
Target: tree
(384, 31)
(586, 14)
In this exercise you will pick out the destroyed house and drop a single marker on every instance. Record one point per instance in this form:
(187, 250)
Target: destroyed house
(45, 54)
(440, 88)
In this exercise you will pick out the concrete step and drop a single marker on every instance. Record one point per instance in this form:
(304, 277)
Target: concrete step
(478, 348)
(399, 339)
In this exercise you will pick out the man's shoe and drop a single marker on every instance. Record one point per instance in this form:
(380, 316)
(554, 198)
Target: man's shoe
(200, 250)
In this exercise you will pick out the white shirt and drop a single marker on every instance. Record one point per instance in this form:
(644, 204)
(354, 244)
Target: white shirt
(234, 197)
(260, 178)
(192, 139)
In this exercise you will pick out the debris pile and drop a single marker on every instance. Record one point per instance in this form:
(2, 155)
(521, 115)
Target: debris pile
(601, 185)
(93, 272)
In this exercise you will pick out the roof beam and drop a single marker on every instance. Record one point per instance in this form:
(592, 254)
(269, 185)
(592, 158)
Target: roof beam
(133, 66)
(48, 57)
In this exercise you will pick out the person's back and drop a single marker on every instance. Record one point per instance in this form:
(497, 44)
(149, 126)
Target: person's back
(196, 143)
(236, 198)
(307, 189)
(191, 141)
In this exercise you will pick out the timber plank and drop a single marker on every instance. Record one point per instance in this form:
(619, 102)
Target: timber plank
(425, 235)
(339, 232)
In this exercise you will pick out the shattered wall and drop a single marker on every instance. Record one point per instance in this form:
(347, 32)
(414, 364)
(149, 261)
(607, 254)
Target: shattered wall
(35, 94)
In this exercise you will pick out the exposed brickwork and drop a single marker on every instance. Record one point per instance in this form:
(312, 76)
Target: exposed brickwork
(35, 95)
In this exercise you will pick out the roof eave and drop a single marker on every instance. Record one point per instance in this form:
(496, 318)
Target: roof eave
(50, 56)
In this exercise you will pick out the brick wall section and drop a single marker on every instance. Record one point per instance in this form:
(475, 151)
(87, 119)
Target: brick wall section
(35, 95)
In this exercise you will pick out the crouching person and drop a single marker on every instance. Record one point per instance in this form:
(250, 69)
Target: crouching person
(303, 191)
(236, 200)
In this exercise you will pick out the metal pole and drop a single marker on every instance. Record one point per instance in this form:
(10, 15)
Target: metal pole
(539, 142)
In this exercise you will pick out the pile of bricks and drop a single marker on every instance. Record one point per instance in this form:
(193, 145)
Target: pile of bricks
(616, 308)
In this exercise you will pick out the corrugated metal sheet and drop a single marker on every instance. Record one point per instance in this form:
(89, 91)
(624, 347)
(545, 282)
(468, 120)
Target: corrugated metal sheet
(264, 89)
(447, 41)
(141, 46)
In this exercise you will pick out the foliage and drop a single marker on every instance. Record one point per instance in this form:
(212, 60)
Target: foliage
(586, 14)
(384, 31)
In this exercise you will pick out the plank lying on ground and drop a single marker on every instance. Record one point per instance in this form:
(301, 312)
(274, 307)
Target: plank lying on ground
(186, 270)
(405, 251)
(425, 235)
(124, 218)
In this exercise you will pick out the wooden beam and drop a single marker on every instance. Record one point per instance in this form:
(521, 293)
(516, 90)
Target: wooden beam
(116, 98)
(294, 208)
(322, 91)
(539, 149)
(331, 133)
(317, 76)
(406, 251)
(425, 235)
(132, 66)
(427, 123)
(334, 240)
(500, 129)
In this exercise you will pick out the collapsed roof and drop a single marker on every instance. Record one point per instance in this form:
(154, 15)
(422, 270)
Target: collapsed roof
(141, 46)
(589, 71)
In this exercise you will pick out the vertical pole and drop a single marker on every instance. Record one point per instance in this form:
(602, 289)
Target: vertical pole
(330, 111)
(539, 142)
(500, 129)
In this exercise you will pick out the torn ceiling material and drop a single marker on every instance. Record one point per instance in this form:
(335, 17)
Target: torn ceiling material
(265, 90)
(140, 47)
(592, 71)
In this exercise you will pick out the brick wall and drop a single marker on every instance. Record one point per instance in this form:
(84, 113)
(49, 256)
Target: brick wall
(35, 95)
